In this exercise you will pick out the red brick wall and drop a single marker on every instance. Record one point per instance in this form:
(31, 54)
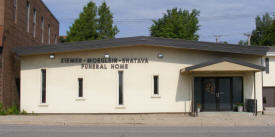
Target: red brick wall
(15, 33)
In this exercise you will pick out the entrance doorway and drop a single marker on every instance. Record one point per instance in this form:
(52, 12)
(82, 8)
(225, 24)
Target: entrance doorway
(218, 93)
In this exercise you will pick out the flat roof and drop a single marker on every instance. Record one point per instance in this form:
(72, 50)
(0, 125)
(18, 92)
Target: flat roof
(140, 40)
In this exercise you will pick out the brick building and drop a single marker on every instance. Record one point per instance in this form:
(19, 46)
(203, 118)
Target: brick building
(22, 22)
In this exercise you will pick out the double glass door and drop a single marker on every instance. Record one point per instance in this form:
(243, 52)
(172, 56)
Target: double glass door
(217, 94)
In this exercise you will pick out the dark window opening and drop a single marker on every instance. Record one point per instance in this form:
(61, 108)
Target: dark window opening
(267, 65)
(80, 87)
(156, 85)
(120, 88)
(264, 100)
(43, 85)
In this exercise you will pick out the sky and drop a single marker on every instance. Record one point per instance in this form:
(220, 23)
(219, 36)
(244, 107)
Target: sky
(229, 18)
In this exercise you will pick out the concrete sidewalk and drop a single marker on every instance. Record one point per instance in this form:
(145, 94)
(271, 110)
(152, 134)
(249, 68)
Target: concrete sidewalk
(204, 119)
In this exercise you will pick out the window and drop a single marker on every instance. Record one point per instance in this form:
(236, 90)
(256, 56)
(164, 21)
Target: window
(156, 85)
(42, 29)
(120, 87)
(15, 10)
(267, 65)
(55, 39)
(43, 85)
(28, 16)
(49, 34)
(34, 22)
(80, 87)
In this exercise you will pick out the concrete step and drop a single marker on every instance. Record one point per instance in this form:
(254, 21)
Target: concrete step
(222, 114)
(269, 111)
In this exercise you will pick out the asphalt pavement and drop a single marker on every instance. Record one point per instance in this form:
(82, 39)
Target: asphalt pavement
(133, 131)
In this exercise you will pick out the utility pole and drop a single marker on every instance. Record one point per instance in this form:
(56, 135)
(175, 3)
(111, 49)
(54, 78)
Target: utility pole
(249, 38)
(218, 38)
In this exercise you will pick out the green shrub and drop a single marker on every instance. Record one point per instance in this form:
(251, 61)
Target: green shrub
(13, 110)
(2, 110)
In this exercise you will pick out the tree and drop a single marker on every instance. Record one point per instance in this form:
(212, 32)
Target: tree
(243, 43)
(105, 22)
(263, 34)
(177, 24)
(93, 23)
(224, 42)
(62, 39)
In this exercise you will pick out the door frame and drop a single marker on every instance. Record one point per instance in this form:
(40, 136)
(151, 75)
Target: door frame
(217, 91)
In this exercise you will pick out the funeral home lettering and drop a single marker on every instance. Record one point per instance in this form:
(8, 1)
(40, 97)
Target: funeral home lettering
(104, 63)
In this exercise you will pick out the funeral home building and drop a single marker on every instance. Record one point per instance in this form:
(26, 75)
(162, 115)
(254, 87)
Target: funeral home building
(144, 75)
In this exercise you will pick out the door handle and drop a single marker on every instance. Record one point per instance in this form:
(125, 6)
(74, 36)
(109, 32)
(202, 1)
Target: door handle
(217, 94)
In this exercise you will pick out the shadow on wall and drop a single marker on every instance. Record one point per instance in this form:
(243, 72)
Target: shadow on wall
(183, 93)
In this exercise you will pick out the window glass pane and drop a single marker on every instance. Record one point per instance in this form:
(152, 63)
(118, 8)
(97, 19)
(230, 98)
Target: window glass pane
(267, 65)
(156, 85)
(34, 22)
(43, 85)
(198, 92)
(15, 10)
(28, 16)
(80, 87)
(120, 74)
(49, 34)
(237, 90)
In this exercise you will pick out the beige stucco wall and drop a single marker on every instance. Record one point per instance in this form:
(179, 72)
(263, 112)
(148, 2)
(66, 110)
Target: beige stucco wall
(101, 86)
(269, 78)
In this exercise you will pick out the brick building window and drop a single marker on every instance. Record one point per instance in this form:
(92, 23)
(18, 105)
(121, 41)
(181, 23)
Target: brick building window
(15, 11)
(42, 29)
(28, 16)
(49, 34)
(34, 22)
(55, 39)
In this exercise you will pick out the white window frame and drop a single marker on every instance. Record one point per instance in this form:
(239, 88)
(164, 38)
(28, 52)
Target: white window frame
(120, 106)
(41, 104)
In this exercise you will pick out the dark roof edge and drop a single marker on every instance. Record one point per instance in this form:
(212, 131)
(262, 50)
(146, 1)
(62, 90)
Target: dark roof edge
(141, 40)
(227, 60)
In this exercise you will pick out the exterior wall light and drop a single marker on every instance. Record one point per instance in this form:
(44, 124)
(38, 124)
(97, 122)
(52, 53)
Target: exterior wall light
(160, 56)
(106, 56)
(52, 56)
